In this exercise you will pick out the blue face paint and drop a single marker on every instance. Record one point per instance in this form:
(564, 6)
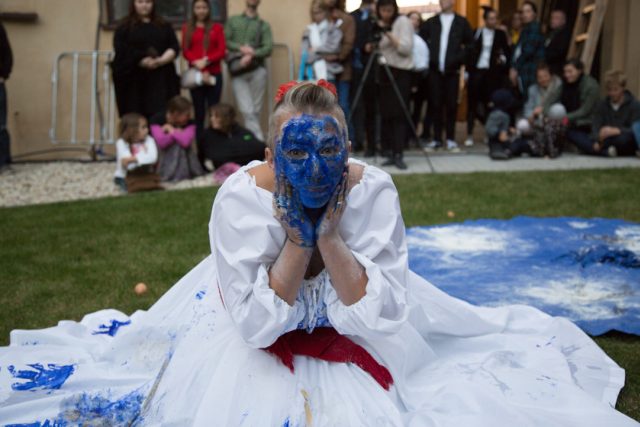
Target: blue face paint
(111, 329)
(312, 154)
(40, 378)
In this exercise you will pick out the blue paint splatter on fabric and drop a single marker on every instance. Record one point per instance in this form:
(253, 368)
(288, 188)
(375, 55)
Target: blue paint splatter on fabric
(587, 270)
(45, 423)
(604, 254)
(90, 410)
(40, 378)
(111, 329)
(286, 423)
(201, 295)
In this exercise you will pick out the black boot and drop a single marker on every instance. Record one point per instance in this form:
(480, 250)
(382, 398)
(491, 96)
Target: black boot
(389, 162)
(397, 160)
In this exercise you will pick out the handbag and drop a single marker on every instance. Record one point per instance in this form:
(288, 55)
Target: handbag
(234, 59)
(189, 78)
(142, 179)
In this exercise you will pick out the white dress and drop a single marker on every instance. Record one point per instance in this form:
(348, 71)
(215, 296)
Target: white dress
(191, 360)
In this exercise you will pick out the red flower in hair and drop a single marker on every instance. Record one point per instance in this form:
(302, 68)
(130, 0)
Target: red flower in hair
(283, 89)
(325, 84)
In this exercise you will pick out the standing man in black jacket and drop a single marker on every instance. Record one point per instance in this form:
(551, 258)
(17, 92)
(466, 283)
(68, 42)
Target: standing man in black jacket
(6, 63)
(450, 39)
(557, 42)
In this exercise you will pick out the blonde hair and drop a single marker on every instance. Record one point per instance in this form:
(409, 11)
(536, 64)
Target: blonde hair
(615, 77)
(305, 98)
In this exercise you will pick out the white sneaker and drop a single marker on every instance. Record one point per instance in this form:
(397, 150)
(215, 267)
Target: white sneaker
(452, 146)
(612, 151)
(432, 146)
(468, 142)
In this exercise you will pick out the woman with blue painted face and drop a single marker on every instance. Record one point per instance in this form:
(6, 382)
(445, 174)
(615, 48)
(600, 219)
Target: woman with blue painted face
(306, 313)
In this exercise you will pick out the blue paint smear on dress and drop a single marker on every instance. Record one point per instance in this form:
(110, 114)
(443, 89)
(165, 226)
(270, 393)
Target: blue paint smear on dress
(201, 295)
(45, 423)
(40, 378)
(587, 270)
(89, 410)
(111, 329)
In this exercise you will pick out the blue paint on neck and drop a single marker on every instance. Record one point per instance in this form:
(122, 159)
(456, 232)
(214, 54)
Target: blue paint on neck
(111, 329)
(40, 378)
(312, 154)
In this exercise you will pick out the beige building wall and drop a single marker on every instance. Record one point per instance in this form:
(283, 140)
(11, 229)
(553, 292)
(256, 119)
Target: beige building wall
(70, 25)
(621, 41)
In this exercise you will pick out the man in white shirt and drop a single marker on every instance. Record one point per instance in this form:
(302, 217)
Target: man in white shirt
(449, 38)
(419, 84)
(488, 69)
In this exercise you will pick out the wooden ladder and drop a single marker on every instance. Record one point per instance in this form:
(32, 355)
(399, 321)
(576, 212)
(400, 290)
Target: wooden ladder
(586, 31)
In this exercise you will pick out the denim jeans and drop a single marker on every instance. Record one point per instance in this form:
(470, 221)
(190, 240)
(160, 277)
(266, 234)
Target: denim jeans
(635, 128)
(344, 99)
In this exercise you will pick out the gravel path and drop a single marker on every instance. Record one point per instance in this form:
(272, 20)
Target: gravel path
(35, 183)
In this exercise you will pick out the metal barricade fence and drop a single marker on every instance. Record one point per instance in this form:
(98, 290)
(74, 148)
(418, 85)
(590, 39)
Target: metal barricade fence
(89, 79)
(97, 90)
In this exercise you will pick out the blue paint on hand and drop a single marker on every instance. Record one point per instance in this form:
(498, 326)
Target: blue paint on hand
(111, 329)
(310, 158)
(40, 378)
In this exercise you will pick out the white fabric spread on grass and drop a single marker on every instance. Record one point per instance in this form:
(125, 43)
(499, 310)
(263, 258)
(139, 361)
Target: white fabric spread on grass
(192, 361)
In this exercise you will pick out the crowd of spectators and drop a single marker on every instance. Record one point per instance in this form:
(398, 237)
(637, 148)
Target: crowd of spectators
(398, 80)
(147, 90)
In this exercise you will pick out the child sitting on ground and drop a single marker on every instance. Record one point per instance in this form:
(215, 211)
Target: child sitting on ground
(135, 150)
(497, 125)
(226, 141)
(175, 135)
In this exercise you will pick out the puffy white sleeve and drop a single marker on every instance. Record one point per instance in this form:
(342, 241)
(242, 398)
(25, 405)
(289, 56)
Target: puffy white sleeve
(373, 229)
(245, 242)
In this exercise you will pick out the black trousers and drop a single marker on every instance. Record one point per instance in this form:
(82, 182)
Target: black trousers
(625, 143)
(419, 95)
(443, 96)
(395, 128)
(5, 141)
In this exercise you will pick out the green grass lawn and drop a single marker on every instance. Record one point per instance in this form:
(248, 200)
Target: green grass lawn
(64, 260)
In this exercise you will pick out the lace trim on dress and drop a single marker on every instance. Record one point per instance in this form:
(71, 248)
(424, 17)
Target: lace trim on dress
(311, 297)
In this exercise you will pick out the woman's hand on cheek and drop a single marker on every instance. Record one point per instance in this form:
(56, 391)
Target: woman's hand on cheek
(288, 210)
(327, 227)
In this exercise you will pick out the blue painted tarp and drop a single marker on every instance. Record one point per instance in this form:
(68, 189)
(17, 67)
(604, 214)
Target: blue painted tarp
(587, 270)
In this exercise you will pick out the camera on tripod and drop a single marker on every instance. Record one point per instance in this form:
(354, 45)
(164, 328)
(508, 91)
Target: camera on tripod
(376, 31)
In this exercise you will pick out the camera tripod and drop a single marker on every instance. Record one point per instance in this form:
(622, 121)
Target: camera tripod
(379, 60)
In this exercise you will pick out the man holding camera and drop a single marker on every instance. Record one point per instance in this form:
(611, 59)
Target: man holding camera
(450, 38)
